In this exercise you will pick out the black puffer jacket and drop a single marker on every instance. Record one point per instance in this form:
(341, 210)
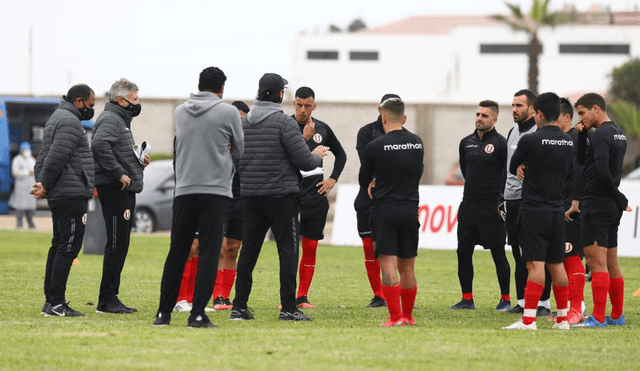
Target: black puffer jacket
(112, 146)
(274, 152)
(65, 164)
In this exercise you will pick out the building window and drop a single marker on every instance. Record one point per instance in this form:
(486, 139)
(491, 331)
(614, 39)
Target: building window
(326, 55)
(505, 48)
(594, 49)
(363, 56)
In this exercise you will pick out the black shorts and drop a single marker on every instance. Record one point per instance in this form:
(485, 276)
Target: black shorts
(573, 246)
(362, 205)
(479, 224)
(235, 219)
(313, 217)
(541, 235)
(600, 224)
(395, 230)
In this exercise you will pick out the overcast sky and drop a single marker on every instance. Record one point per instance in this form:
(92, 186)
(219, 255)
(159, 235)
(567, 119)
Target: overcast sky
(163, 45)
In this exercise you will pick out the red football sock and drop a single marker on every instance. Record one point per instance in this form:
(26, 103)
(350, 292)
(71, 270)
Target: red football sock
(467, 296)
(616, 296)
(561, 294)
(373, 267)
(217, 287)
(532, 294)
(506, 297)
(392, 296)
(600, 289)
(408, 297)
(577, 277)
(307, 265)
(188, 280)
(228, 277)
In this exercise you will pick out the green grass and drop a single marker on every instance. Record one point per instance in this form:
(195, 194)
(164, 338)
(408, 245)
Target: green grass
(343, 336)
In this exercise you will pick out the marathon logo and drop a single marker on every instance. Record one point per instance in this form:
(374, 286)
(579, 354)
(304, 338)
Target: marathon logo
(471, 146)
(619, 137)
(556, 142)
(396, 147)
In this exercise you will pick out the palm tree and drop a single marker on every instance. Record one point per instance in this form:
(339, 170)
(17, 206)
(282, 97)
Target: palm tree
(538, 17)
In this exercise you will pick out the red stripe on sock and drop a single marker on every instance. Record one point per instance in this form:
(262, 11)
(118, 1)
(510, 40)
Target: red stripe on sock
(561, 294)
(577, 277)
(532, 294)
(467, 295)
(506, 297)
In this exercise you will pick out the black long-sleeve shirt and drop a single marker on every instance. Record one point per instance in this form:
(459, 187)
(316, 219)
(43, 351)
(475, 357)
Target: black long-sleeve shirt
(602, 153)
(548, 155)
(482, 162)
(573, 183)
(395, 160)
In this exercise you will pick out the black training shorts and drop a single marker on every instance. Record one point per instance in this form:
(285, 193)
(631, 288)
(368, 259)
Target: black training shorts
(541, 235)
(600, 224)
(395, 230)
(235, 219)
(313, 217)
(479, 224)
(362, 205)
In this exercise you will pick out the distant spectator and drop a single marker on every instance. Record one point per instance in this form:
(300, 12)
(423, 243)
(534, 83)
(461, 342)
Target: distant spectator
(22, 169)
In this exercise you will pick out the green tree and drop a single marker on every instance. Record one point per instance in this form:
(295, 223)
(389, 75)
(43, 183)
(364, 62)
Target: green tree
(539, 16)
(625, 94)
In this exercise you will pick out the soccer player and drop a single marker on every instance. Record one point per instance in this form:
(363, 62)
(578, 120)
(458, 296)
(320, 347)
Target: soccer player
(362, 205)
(391, 169)
(573, 246)
(547, 157)
(522, 109)
(602, 152)
(233, 235)
(314, 189)
(482, 158)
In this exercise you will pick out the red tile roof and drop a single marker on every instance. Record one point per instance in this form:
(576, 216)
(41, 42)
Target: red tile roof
(425, 25)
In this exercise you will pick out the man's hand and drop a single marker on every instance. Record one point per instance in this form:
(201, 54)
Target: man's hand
(326, 186)
(309, 130)
(502, 211)
(520, 171)
(320, 151)
(573, 209)
(580, 127)
(38, 191)
(146, 161)
(628, 208)
(125, 181)
(372, 185)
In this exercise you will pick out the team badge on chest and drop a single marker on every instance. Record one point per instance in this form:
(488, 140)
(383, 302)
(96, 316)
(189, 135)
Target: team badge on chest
(489, 148)
(317, 138)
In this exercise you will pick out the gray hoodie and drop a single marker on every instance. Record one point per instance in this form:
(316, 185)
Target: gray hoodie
(205, 126)
(274, 153)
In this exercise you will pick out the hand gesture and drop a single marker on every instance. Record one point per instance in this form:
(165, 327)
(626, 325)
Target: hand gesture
(308, 130)
(326, 186)
(573, 209)
(125, 181)
(320, 151)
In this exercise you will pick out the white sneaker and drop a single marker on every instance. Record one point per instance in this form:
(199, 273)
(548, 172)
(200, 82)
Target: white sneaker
(564, 325)
(182, 306)
(207, 309)
(521, 326)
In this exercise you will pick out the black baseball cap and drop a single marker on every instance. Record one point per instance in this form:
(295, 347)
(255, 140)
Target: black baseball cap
(387, 96)
(272, 82)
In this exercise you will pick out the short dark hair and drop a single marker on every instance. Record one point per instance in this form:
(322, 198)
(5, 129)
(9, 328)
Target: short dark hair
(211, 78)
(566, 108)
(305, 92)
(389, 95)
(490, 104)
(82, 91)
(531, 96)
(590, 99)
(241, 106)
(549, 105)
(395, 108)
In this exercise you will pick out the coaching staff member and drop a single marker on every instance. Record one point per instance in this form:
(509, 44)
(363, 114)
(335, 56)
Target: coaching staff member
(274, 154)
(362, 205)
(205, 126)
(482, 158)
(314, 189)
(64, 175)
(602, 205)
(547, 157)
(118, 179)
(391, 169)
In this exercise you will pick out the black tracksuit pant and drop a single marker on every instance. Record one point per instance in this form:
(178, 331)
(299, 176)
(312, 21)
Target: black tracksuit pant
(117, 209)
(281, 214)
(69, 219)
(207, 215)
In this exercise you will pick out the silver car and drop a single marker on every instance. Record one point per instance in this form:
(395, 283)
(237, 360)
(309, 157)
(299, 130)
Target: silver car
(154, 204)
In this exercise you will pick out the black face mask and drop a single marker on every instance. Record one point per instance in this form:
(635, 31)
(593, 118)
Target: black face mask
(86, 112)
(133, 108)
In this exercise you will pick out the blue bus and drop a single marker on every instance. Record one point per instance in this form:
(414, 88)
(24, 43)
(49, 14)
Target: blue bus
(21, 119)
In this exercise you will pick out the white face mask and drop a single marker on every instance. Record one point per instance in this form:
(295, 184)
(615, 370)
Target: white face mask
(26, 152)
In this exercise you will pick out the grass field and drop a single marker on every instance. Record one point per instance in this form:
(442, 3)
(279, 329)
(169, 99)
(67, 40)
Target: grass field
(344, 335)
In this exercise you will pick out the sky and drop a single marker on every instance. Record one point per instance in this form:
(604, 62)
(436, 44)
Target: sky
(163, 45)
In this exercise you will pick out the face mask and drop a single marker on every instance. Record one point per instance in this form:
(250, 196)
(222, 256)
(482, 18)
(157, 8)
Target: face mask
(26, 152)
(133, 108)
(86, 112)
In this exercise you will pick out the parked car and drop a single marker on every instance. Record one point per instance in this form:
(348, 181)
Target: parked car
(154, 204)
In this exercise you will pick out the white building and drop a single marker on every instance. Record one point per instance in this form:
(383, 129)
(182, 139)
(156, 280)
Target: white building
(461, 59)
